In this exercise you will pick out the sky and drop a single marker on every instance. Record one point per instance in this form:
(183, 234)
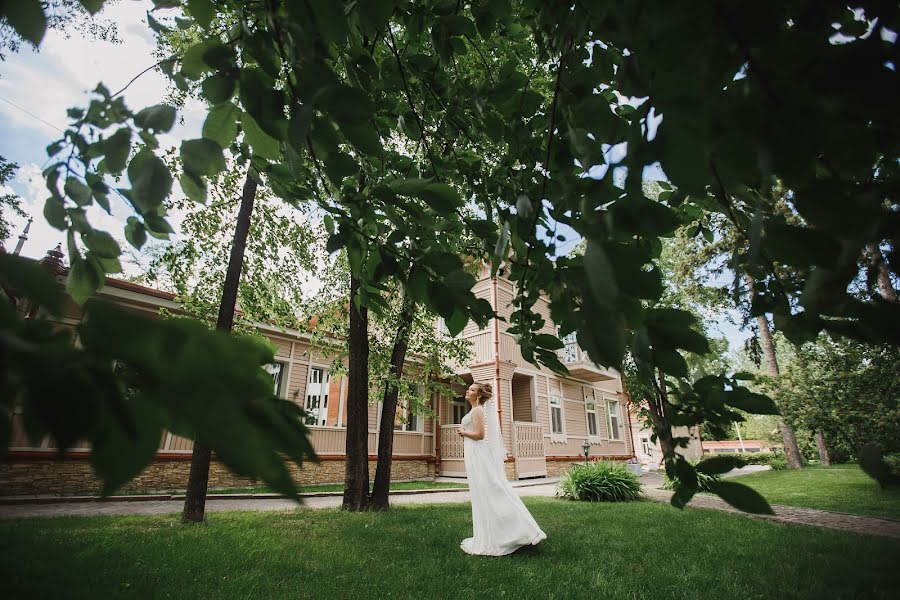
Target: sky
(37, 87)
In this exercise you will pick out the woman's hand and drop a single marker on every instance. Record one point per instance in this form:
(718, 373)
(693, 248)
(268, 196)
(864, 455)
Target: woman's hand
(461, 433)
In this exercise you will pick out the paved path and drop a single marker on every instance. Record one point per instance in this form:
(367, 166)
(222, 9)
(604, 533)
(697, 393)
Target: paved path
(156, 507)
(652, 483)
(783, 514)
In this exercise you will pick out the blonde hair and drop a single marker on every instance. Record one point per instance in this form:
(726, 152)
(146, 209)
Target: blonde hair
(485, 392)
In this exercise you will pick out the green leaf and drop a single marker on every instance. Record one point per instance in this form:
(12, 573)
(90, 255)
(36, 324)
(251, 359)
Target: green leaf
(442, 197)
(801, 246)
(102, 244)
(348, 104)
(159, 118)
(55, 213)
(116, 148)
(331, 23)
(150, 179)
(456, 322)
(364, 138)
(751, 402)
(78, 192)
(126, 442)
(83, 279)
(221, 124)
(135, 232)
(550, 342)
(32, 280)
(264, 103)
(716, 465)
(600, 275)
(202, 157)
(218, 88)
(339, 166)
(158, 227)
(92, 6)
(671, 362)
(203, 11)
(261, 142)
(194, 187)
(27, 18)
(686, 472)
(741, 497)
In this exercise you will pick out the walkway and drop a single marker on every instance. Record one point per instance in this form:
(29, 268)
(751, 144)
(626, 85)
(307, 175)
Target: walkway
(133, 506)
(783, 514)
(652, 483)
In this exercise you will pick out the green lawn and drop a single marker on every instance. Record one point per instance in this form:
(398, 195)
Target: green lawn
(636, 550)
(843, 488)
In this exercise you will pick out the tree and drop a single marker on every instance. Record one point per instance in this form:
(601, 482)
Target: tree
(64, 15)
(8, 201)
(514, 106)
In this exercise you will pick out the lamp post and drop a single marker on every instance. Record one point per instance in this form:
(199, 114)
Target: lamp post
(586, 448)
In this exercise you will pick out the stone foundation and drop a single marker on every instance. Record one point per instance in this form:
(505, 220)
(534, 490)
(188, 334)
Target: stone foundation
(558, 468)
(74, 475)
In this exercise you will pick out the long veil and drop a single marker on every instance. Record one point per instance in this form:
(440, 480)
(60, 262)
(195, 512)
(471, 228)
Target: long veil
(494, 437)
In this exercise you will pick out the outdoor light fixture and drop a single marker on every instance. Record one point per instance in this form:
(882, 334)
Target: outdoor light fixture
(586, 448)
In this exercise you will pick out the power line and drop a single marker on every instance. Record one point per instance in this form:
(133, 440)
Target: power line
(31, 114)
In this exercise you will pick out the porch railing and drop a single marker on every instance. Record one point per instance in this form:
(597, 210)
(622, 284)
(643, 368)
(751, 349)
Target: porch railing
(529, 440)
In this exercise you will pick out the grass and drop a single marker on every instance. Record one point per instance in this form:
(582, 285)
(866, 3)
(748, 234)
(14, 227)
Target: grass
(842, 488)
(594, 550)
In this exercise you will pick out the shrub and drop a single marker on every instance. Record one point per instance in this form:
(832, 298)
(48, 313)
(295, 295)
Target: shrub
(600, 481)
(703, 481)
(776, 461)
(893, 462)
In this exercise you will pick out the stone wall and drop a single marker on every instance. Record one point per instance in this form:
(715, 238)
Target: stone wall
(41, 476)
(558, 468)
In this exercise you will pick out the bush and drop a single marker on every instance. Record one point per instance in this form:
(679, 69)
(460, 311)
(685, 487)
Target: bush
(600, 481)
(777, 461)
(703, 481)
(893, 462)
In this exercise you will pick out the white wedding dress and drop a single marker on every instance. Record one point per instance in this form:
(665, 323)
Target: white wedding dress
(501, 524)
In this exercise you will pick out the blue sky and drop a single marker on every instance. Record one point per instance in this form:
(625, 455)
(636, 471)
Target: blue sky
(48, 82)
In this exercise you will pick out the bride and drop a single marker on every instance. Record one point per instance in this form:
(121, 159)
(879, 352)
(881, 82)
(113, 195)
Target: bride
(500, 521)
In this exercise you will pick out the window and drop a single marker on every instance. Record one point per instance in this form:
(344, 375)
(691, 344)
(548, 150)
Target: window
(317, 396)
(556, 417)
(646, 447)
(459, 410)
(275, 370)
(570, 349)
(614, 419)
(407, 419)
(591, 419)
(442, 327)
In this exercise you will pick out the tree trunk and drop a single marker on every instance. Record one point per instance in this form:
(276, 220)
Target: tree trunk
(791, 451)
(658, 414)
(381, 487)
(824, 457)
(882, 275)
(198, 479)
(356, 481)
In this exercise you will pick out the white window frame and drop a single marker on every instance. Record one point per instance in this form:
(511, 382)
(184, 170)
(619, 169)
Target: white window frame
(556, 436)
(321, 417)
(609, 420)
(592, 437)
(457, 403)
(278, 376)
(405, 414)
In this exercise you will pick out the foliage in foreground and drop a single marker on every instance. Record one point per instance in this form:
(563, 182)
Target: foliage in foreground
(397, 118)
(601, 480)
